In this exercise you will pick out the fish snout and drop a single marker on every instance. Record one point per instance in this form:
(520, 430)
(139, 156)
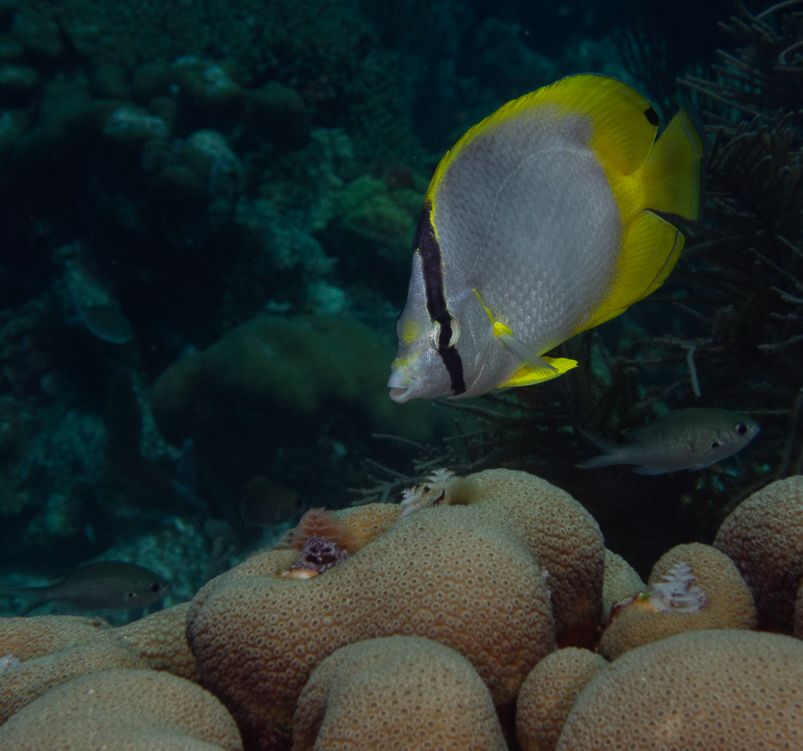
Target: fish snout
(401, 386)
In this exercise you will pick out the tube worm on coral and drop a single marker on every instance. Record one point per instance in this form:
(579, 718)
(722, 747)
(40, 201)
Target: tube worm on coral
(319, 522)
(324, 542)
(436, 490)
(677, 594)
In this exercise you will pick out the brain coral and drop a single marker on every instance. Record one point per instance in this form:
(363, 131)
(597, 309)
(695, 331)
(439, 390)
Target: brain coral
(464, 577)
(123, 709)
(55, 649)
(32, 679)
(160, 640)
(621, 583)
(560, 533)
(41, 635)
(729, 602)
(548, 695)
(367, 522)
(400, 692)
(799, 613)
(734, 690)
(764, 537)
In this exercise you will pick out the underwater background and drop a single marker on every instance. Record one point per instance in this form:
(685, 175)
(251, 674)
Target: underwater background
(206, 218)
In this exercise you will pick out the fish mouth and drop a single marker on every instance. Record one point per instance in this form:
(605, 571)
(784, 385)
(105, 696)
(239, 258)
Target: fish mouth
(400, 395)
(401, 386)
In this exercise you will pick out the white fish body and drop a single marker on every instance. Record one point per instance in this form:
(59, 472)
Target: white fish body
(535, 227)
(687, 439)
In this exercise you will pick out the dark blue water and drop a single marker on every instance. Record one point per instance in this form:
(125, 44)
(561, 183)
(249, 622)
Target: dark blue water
(206, 216)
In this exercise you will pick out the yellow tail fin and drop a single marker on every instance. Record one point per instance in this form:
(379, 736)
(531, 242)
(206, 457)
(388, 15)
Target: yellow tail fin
(671, 174)
(669, 182)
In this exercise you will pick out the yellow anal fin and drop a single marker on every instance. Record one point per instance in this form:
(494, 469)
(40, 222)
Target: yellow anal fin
(671, 175)
(527, 375)
(650, 251)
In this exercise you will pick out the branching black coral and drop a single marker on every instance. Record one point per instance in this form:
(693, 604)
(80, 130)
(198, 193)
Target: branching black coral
(748, 258)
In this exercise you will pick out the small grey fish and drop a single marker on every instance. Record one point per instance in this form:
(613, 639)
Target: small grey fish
(689, 439)
(108, 585)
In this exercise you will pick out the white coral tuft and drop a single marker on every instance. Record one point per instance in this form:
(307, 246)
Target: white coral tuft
(676, 593)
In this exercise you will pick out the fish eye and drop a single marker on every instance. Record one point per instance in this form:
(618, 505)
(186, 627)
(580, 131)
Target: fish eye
(742, 428)
(155, 587)
(714, 444)
(435, 335)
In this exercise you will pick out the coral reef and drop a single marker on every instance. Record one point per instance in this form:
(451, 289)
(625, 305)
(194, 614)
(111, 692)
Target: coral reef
(720, 599)
(401, 691)
(207, 211)
(764, 538)
(688, 687)
(493, 608)
(123, 709)
(549, 693)
(52, 650)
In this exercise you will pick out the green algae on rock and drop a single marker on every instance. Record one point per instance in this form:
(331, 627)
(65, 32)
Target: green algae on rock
(299, 366)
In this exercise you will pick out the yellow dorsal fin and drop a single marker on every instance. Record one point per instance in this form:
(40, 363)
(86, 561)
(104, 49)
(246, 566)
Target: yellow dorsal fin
(650, 251)
(528, 375)
(623, 121)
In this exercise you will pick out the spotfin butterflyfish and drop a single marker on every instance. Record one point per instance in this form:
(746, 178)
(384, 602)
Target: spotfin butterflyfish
(537, 225)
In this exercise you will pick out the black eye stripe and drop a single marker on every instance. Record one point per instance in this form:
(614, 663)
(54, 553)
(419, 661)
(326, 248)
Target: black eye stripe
(445, 320)
(431, 265)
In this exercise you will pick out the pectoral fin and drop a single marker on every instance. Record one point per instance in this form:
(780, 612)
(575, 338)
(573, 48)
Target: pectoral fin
(536, 369)
(522, 350)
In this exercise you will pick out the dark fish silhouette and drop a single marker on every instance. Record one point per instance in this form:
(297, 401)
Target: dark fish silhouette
(267, 502)
(108, 585)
